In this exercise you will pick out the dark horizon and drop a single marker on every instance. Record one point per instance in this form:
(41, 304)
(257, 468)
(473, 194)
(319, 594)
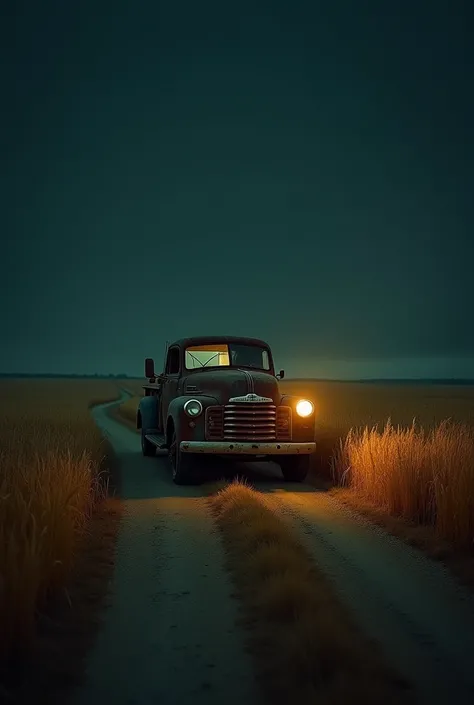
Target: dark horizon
(429, 381)
(299, 174)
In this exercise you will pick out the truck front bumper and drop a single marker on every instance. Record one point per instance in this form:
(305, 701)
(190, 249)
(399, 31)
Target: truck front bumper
(250, 448)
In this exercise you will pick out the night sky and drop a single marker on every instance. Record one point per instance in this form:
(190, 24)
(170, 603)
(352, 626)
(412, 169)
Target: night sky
(295, 171)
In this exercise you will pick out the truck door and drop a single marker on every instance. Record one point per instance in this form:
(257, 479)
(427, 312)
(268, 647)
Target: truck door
(170, 382)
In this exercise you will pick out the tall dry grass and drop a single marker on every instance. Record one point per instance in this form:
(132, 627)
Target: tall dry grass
(424, 475)
(419, 467)
(51, 455)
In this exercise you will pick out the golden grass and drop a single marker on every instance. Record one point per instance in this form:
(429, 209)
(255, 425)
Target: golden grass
(305, 645)
(419, 466)
(51, 455)
(341, 406)
(426, 476)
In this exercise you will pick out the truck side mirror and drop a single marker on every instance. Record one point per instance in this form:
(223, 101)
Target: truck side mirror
(281, 374)
(149, 367)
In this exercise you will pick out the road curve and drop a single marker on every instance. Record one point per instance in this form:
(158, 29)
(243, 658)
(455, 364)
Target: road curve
(409, 604)
(169, 634)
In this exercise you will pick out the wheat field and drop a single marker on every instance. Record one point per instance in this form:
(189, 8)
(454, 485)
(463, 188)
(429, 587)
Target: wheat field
(51, 456)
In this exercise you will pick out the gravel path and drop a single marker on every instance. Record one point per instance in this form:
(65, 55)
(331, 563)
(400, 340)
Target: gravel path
(411, 605)
(169, 635)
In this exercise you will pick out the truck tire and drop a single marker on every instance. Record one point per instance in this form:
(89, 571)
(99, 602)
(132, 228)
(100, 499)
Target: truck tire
(295, 468)
(148, 448)
(183, 465)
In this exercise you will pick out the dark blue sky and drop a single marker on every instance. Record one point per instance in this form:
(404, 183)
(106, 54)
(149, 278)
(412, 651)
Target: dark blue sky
(300, 172)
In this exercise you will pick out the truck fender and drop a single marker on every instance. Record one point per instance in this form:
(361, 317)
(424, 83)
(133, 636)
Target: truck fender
(178, 420)
(289, 400)
(147, 413)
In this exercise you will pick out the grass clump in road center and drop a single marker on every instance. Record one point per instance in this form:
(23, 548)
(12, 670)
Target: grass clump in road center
(305, 645)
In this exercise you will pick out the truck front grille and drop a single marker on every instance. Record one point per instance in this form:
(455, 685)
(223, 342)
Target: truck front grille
(248, 422)
(283, 423)
(214, 423)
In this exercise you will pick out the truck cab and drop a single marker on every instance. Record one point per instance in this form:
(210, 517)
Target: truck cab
(220, 396)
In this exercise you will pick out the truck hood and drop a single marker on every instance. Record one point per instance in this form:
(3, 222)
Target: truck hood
(225, 384)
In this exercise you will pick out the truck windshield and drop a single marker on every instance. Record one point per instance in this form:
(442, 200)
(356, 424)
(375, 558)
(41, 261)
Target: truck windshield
(227, 355)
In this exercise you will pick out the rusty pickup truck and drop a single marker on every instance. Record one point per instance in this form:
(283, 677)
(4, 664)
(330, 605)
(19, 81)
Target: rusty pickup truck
(220, 395)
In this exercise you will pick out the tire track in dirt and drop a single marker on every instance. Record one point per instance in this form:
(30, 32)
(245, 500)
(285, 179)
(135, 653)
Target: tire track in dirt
(169, 634)
(411, 606)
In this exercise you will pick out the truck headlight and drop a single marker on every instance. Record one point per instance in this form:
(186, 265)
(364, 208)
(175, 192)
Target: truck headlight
(193, 408)
(304, 408)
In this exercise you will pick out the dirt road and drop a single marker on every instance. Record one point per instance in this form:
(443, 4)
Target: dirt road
(169, 635)
(410, 605)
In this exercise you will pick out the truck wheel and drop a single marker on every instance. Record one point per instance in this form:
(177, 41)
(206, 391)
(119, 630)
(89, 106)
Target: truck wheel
(295, 467)
(148, 448)
(183, 465)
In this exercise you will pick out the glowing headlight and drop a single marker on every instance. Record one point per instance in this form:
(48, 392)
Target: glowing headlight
(304, 408)
(193, 408)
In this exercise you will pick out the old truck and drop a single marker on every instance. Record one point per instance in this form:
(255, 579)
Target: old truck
(220, 395)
